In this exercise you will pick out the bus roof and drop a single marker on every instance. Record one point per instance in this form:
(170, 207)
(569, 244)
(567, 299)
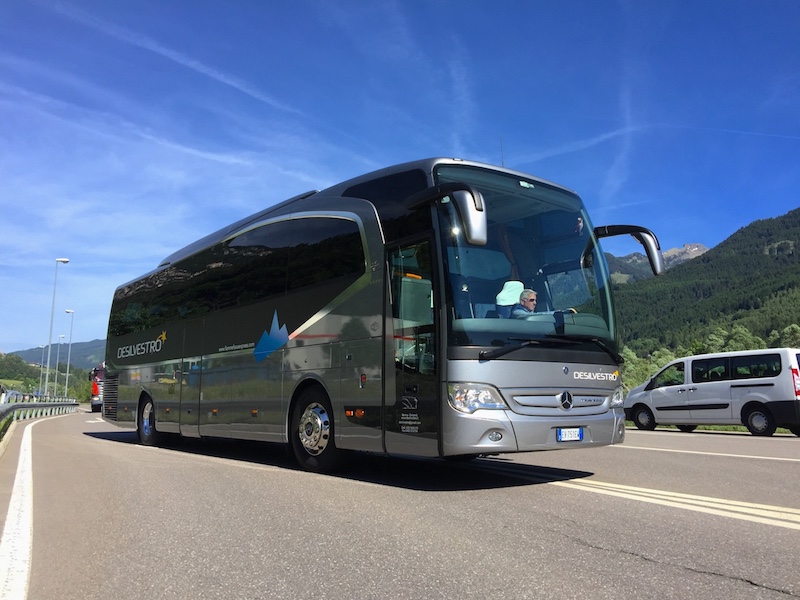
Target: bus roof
(426, 165)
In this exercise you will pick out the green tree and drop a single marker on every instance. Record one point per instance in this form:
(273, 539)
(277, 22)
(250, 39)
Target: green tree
(788, 337)
(738, 337)
(636, 370)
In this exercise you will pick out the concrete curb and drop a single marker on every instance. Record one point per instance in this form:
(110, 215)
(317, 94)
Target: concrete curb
(7, 436)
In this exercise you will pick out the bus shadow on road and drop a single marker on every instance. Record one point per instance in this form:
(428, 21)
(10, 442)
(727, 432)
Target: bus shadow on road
(422, 474)
(438, 475)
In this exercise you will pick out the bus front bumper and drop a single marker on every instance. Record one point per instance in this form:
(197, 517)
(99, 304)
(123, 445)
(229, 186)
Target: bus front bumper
(501, 431)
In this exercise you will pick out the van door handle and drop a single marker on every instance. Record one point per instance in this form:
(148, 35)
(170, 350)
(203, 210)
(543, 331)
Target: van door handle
(692, 389)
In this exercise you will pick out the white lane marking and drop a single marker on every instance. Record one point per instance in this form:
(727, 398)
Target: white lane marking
(765, 514)
(17, 541)
(15, 545)
(628, 447)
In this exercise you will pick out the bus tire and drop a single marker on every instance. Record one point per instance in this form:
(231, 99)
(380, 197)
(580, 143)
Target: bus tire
(146, 422)
(759, 421)
(311, 432)
(686, 428)
(643, 418)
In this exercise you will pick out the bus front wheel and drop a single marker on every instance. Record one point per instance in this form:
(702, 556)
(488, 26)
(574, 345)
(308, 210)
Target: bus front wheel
(311, 432)
(146, 422)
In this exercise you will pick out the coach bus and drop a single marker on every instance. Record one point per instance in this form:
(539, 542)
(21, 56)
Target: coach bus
(373, 316)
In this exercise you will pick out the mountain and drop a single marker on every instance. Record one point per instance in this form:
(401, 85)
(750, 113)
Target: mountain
(84, 355)
(635, 267)
(751, 279)
(676, 256)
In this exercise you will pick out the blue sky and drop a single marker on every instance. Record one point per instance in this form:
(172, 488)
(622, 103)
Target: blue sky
(129, 129)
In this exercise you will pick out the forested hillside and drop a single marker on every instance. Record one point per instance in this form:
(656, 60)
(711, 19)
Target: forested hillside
(18, 375)
(751, 280)
(83, 355)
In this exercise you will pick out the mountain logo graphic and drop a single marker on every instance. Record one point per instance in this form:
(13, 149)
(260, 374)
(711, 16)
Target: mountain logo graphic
(271, 340)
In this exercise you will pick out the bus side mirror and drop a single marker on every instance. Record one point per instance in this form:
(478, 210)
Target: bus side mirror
(469, 204)
(473, 216)
(645, 237)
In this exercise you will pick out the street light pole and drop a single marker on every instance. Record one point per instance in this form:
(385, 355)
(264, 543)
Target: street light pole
(71, 314)
(41, 372)
(52, 314)
(58, 353)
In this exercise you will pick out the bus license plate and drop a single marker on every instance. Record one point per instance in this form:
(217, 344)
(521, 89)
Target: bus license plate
(569, 434)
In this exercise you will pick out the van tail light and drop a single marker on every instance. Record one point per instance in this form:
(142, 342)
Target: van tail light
(796, 378)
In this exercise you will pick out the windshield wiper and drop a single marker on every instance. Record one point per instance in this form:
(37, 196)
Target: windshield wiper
(590, 338)
(524, 342)
(553, 340)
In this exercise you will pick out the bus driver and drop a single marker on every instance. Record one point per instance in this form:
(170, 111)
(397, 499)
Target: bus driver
(525, 306)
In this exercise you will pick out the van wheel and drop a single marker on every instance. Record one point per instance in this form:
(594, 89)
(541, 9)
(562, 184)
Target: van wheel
(795, 429)
(759, 421)
(311, 432)
(146, 423)
(643, 418)
(687, 428)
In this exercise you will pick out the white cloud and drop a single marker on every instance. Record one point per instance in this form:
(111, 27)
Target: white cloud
(146, 43)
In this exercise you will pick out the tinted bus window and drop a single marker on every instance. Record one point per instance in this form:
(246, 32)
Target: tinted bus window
(323, 250)
(259, 264)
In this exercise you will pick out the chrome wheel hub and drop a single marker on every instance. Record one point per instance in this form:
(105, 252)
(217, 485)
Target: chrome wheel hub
(314, 429)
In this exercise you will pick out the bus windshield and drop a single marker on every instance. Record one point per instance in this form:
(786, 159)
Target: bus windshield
(540, 242)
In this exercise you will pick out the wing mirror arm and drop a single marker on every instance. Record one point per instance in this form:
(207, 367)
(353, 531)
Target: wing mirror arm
(644, 236)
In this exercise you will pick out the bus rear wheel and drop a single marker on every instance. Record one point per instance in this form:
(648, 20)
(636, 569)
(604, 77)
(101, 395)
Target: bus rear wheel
(643, 418)
(146, 422)
(311, 432)
(759, 421)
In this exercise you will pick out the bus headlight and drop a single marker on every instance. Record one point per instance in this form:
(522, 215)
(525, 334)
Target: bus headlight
(469, 397)
(618, 398)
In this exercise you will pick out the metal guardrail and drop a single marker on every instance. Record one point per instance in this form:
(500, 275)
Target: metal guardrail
(32, 410)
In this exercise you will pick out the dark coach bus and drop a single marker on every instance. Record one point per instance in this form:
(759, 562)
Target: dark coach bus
(374, 316)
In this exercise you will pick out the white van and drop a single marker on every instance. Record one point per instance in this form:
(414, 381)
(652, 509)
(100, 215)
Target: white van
(759, 389)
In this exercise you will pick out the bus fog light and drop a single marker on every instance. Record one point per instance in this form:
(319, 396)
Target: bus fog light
(495, 436)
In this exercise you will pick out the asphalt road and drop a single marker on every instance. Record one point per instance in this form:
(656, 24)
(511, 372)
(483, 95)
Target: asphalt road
(666, 515)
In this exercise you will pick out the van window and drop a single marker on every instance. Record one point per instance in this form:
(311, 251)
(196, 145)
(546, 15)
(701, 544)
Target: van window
(672, 375)
(710, 369)
(762, 365)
